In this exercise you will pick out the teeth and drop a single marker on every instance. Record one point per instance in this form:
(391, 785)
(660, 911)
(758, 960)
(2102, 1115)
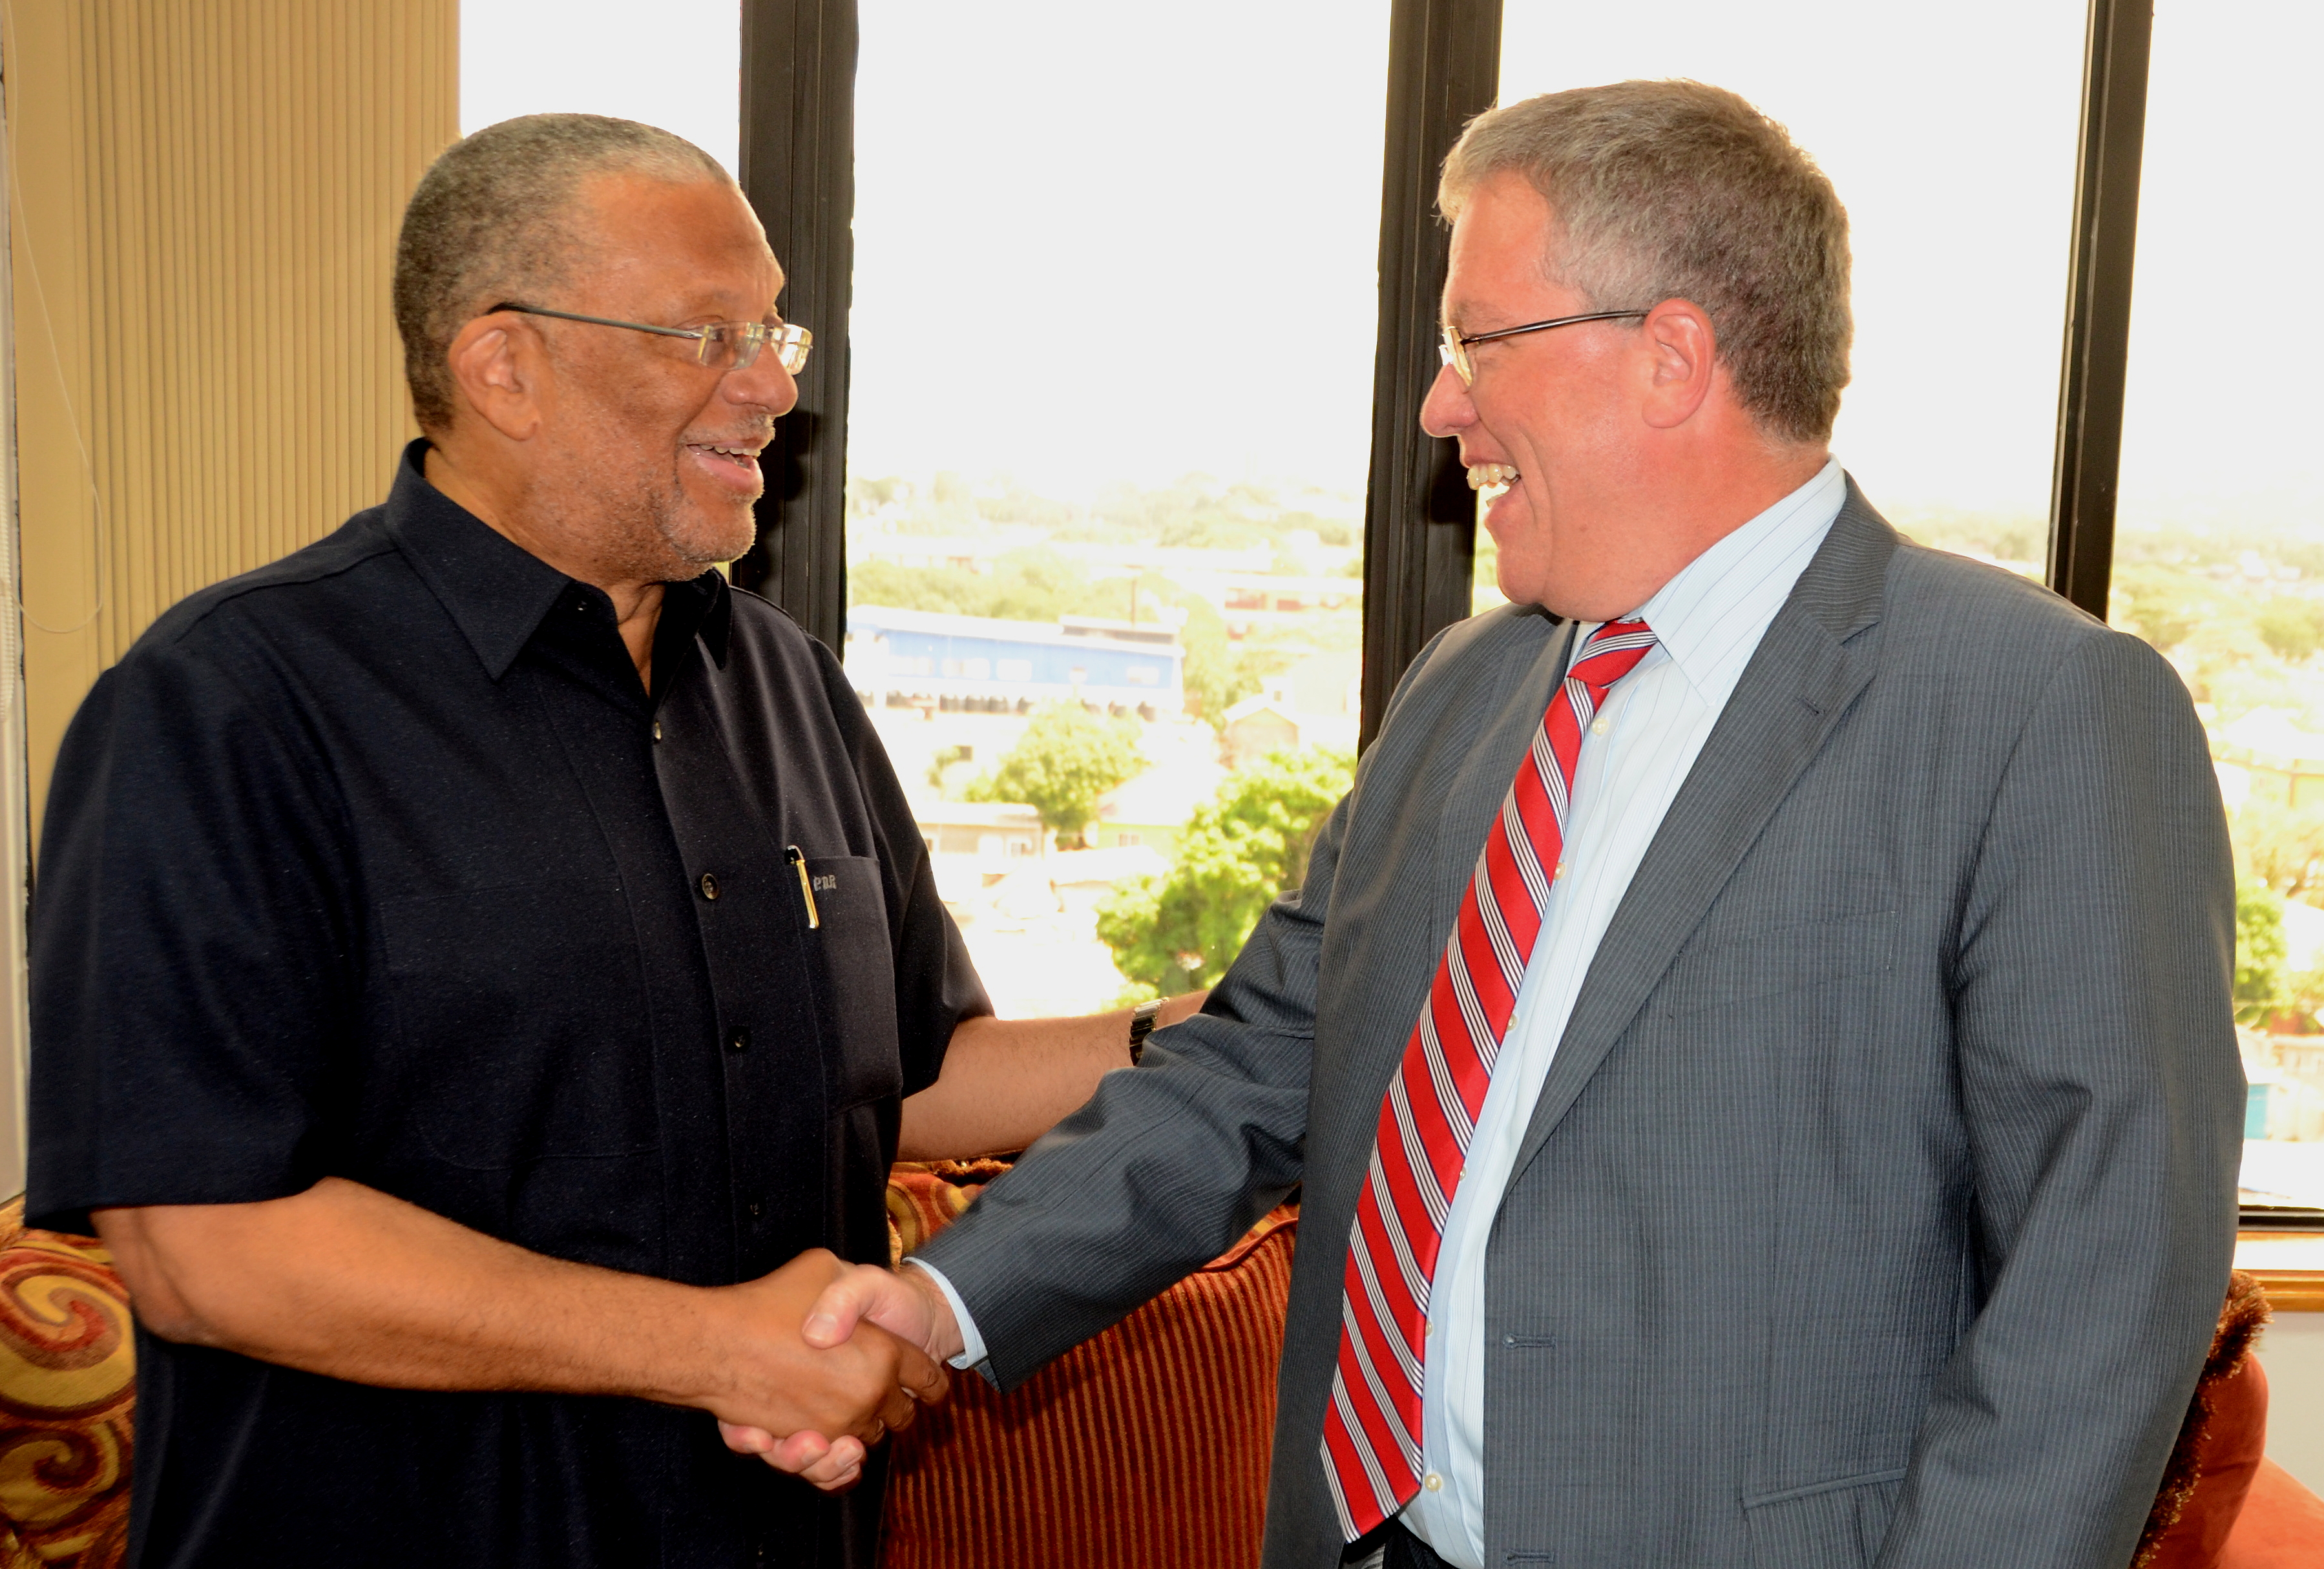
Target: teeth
(1491, 476)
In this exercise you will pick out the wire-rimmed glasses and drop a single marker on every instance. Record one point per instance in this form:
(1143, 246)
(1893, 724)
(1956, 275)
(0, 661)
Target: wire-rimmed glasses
(723, 346)
(1455, 350)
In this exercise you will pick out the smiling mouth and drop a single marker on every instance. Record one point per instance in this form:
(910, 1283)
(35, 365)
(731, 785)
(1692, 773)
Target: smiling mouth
(733, 454)
(1491, 481)
(744, 461)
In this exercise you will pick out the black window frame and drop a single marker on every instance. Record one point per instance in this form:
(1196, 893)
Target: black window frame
(1420, 524)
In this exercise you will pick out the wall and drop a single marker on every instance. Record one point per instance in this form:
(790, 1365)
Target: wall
(202, 203)
(15, 852)
(2292, 1352)
(204, 198)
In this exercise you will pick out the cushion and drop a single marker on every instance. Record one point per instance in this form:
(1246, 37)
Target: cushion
(2220, 1445)
(1147, 1445)
(68, 1389)
(2282, 1526)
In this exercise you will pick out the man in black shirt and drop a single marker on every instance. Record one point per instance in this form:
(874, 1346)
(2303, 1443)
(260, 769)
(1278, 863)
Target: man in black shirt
(480, 957)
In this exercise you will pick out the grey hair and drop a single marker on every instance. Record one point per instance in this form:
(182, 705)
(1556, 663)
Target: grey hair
(492, 219)
(1677, 190)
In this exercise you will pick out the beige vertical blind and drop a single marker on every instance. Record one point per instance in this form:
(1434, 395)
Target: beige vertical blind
(203, 200)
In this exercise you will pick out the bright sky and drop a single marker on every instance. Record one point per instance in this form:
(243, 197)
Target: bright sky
(672, 63)
(1104, 241)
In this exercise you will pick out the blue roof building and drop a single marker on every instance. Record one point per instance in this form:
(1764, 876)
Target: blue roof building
(976, 661)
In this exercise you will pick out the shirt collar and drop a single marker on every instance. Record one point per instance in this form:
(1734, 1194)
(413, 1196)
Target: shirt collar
(497, 592)
(1709, 619)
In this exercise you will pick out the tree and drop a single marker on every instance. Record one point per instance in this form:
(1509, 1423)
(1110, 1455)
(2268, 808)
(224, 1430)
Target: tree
(1066, 759)
(2283, 845)
(2260, 951)
(1215, 676)
(2293, 628)
(1241, 849)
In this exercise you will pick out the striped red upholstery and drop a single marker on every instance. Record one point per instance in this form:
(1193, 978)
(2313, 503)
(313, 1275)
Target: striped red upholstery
(1146, 1446)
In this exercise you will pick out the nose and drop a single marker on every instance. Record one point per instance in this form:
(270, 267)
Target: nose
(1447, 410)
(764, 385)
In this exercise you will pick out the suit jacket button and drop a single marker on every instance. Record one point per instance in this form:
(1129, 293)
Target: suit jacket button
(740, 1040)
(709, 885)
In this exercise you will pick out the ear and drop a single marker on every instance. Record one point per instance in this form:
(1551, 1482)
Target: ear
(502, 374)
(1682, 362)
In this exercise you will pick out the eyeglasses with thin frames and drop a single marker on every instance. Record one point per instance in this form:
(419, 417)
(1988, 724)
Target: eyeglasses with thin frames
(723, 346)
(1455, 350)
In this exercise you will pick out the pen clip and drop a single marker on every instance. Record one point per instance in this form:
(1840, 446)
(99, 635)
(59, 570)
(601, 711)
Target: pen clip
(798, 859)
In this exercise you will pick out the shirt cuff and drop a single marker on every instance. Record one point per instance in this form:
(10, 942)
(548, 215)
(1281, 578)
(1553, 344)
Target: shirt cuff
(972, 1344)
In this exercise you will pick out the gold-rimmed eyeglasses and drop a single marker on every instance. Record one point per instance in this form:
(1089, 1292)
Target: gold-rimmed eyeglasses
(1455, 349)
(723, 346)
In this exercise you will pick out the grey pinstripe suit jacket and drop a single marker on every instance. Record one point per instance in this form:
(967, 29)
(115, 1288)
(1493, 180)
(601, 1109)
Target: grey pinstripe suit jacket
(1878, 1204)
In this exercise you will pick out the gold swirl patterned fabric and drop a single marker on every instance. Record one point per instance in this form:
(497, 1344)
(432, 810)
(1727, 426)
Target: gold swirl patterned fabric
(67, 1391)
(1146, 1445)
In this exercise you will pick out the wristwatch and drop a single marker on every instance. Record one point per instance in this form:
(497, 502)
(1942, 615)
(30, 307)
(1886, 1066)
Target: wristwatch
(1141, 1026)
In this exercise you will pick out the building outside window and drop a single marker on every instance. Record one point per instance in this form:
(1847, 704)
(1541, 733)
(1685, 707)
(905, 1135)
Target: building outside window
(1075, 478)
(2219, 556)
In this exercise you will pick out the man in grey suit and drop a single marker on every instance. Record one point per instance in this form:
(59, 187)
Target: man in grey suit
(1817, 1144)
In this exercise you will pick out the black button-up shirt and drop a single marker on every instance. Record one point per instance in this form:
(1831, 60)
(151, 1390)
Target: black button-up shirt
(381, 863)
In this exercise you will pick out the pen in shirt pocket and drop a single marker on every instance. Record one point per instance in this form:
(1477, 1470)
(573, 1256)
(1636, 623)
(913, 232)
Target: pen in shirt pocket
(798, 859)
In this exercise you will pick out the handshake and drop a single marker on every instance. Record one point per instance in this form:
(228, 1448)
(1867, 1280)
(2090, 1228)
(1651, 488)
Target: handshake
(855, 1351)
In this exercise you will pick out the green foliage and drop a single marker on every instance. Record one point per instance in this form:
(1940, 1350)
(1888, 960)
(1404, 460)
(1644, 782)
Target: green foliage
(2002, 537)
(2260, 951)
(2154, 604)
(2293, 628)
(1216, 676)
(1035, 584)
(1244, 847)
(1066, 759)
(944, 758)
(2284, 846)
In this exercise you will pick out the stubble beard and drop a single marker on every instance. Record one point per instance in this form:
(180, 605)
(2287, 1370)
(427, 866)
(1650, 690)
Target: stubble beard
(642, 529)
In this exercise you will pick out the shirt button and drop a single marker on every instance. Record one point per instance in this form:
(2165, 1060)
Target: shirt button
(1433, 1483)
(755, 1208)
(709, 885)
(1429, 1329)
(1558, 875)
(740, 1040)
(1601, 725)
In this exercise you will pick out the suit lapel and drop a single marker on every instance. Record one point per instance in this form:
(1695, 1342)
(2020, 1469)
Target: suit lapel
(1802, 679)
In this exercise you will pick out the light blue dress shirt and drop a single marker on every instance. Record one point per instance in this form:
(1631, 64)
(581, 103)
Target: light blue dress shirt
(1708, 621)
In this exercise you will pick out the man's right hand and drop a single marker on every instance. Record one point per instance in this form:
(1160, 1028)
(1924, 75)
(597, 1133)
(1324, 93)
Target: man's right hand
(779, 1379)
(856, 1302)
(352, 1283)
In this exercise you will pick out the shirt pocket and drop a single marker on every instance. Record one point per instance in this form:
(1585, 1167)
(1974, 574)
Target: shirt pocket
(521, 1018)
(853, 963)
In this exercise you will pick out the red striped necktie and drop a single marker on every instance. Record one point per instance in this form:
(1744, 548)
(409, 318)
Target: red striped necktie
(1371, 1433)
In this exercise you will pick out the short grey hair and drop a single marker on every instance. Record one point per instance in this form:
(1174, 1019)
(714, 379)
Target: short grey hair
(492, 220)
(1677, 190)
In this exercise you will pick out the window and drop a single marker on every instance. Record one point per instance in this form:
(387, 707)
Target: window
(1953, 148)
(1046, 337)
(2219, 534)
(605, 57)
